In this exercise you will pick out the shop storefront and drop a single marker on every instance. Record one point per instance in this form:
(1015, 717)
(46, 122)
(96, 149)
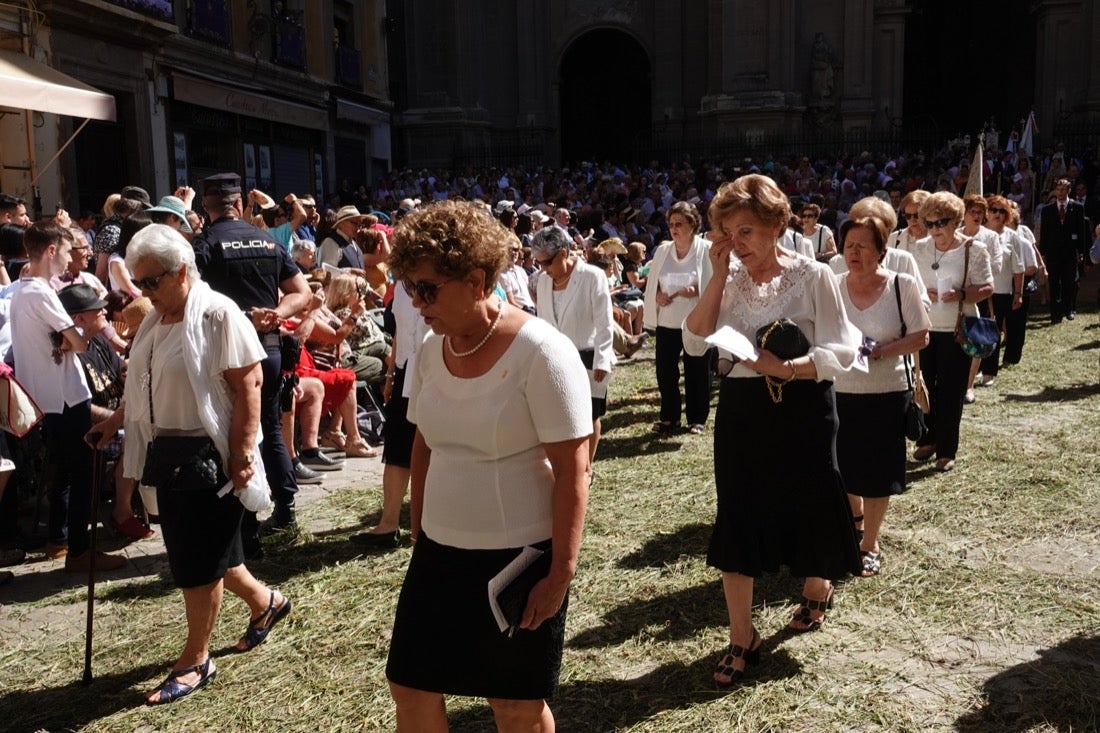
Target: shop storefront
(276, 145)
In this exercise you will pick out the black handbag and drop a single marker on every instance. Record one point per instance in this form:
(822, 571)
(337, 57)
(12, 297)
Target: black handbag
(915, 429)
(978, 336)
(182, 463)
(784, 339)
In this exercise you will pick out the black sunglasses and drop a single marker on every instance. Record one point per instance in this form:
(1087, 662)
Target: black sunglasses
(725, 365)
(937, 224)
(547, 262)
(999, 212)
(150, 283)
(426, 290)
(911, 214)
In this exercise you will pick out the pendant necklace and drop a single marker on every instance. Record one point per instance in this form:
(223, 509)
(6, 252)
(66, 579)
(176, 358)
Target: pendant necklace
(482, 342)
(936, 262)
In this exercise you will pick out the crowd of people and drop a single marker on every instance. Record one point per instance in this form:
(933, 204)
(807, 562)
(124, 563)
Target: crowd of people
(486, 323)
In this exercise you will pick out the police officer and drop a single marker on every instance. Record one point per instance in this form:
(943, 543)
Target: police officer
(249, 266)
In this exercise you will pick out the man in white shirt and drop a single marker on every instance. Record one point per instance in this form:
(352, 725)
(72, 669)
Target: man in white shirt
(45, 344)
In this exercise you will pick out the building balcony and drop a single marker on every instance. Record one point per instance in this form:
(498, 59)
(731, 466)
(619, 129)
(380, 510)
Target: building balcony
(290, 43)
(349, 67)
(162, 10)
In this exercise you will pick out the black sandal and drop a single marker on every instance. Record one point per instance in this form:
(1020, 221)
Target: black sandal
(733, 652)
(859, 530)
(261, 626)
(172, 689)
(802, 615)
(872, 563)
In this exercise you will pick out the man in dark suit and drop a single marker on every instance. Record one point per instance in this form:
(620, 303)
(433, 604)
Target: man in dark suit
(1063, 241)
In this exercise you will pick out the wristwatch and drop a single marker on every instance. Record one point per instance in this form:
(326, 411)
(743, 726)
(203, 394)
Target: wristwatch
(247, 459)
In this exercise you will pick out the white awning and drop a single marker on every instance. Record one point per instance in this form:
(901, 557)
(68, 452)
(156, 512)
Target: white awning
(29, 84)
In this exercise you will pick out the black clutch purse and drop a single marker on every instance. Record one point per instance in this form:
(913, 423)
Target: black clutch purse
(182, 463)
(784, 339)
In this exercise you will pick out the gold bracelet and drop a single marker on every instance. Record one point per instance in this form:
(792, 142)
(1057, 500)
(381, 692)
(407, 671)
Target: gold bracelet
(794, 371)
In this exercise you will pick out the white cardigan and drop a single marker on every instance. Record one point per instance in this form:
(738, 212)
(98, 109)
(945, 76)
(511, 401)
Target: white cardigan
(584, 311)
(700, 247)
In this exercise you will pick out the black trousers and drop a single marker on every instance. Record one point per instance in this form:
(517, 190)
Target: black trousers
(946, 369)
(70, 489)
(670, 347)
(1062, 279)
(1015, 332)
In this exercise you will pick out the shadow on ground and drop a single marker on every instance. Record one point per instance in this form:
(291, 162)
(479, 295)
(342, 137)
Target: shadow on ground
(1057, 394)
(1057, 691)
(623, 703)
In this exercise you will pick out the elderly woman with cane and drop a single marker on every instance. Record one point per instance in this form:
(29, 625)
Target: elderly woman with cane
(192, 414)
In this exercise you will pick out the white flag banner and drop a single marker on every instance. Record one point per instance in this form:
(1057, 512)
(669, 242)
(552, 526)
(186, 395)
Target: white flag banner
(977, 173)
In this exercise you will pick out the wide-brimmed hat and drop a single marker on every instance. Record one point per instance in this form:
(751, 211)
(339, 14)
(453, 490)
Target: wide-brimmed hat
(78, 298)
(347, 213)
(136, 193)
(173, 205)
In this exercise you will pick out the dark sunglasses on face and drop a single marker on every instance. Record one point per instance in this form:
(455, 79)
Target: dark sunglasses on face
(426, 290)
(912, 214)
(547, 262)
(937, 224)
(150, 283)
(998, 212)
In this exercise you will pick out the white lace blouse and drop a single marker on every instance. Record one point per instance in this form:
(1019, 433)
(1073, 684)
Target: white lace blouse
(805, 292)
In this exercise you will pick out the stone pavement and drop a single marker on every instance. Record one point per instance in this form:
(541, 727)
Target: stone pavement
(38, 577)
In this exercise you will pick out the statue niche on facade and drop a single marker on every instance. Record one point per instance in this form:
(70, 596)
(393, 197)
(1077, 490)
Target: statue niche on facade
(823, 107)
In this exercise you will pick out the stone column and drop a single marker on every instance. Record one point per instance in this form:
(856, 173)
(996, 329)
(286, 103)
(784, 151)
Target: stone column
(888, 82)
(1063, 54)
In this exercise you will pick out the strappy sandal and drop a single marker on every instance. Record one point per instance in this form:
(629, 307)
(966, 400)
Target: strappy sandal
(664, 426)
(697, 429)
(333, 439)
(803, 621)
(725, 668)
(172, 689)
(360, 449)
(872, 563)
(261, 626)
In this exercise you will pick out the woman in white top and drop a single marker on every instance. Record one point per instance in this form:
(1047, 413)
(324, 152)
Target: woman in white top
(1034, 269)
(1008, 282)
(777, 504)
(818, 235)
(118, 274)
(973, 227)
(195, 367)
(889, 311)
(906, 239)
(498, 464)
(679, 271)
(945, 366)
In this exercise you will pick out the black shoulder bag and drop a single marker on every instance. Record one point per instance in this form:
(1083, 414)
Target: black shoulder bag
(915, 429)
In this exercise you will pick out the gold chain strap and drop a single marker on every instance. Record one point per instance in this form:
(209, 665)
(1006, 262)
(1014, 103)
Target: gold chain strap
(774, 384)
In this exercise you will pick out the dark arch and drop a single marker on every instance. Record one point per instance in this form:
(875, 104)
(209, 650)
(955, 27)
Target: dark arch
(605, 93)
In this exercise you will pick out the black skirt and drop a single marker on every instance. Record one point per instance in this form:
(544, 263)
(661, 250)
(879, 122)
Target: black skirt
(870, 444)
(446, 640)
(202, 533)
(781, 500)
(398, 431)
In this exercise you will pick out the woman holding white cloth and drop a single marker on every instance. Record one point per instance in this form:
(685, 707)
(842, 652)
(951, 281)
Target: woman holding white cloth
(679, 271)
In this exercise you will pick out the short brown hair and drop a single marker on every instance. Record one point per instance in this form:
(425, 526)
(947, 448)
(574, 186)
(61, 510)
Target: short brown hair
(974, 201)
(455, 237)
(40, 235)
(686, 210)
(757, 194)
(874, 206)
(942, 205)
(873, 224)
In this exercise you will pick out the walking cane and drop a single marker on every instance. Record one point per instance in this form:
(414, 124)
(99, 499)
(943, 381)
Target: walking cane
(97, 473)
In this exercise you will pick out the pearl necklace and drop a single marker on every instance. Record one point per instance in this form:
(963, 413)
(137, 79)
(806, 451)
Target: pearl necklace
(482, 342)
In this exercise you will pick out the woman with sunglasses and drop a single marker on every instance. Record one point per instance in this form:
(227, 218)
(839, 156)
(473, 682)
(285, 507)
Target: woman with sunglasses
(942, 261)
(1008, 283)
(906, 239)
(678, 272)
(889, 310)
(973, 227)
(819, 235)
(779, 503)
(575, 298)
(196, 375)
(499, 463)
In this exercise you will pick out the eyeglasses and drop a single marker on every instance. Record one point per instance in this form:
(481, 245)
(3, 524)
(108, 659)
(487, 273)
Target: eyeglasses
(426, 290)
(547, 262)
(975, 212)
(937, 224)
(150, 283)
(725, 365)
(809, 216)
(912, 214)
(998, 212)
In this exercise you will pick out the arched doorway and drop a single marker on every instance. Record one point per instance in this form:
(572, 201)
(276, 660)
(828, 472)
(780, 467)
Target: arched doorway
(604, 90)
